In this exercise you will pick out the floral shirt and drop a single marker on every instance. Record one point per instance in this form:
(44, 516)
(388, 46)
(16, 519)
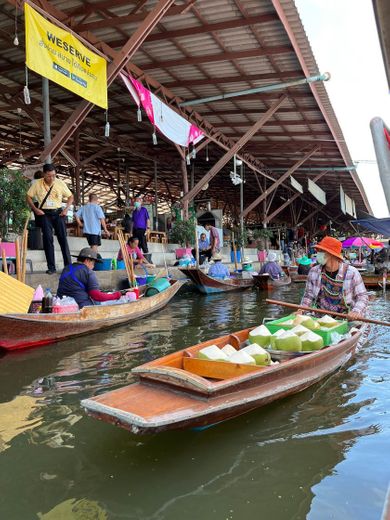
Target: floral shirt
(354, 290)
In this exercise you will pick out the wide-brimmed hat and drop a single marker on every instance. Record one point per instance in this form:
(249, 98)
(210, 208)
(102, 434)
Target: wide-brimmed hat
(330, 245)
(271, 257)
(246, 260)
(88, 252)
(217, 256)
(304, 260)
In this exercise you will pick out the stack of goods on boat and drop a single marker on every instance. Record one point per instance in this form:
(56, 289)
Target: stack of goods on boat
(252, 354)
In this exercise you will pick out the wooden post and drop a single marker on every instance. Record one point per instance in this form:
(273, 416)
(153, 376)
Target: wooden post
(196, 248)
(185, 188)
(5, 267)
(17, 258)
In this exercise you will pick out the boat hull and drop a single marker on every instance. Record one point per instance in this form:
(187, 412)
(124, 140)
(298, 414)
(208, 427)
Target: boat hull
(19, 331)
(164, 399)
(208, 285)
(375, 281)
(266, 283)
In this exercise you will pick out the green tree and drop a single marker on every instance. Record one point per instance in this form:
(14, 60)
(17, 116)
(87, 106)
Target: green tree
(13, 206)
(183, 232)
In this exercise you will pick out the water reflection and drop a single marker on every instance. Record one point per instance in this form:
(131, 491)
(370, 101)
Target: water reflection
(278, 462)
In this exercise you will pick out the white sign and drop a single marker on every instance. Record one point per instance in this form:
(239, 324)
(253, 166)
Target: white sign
(317, 192)
(349, 205)
(295, 184)
(342, 200)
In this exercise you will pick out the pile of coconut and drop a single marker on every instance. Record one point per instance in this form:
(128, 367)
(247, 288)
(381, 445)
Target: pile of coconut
(250, 355)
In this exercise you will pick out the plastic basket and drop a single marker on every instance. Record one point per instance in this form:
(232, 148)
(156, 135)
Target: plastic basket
(340, 328)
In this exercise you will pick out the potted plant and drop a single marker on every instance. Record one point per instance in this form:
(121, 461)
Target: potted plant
(183, 233)
(240, 241)
(13, 206)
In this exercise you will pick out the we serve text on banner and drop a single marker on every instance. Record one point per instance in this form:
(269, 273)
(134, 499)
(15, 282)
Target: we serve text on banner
(58, 55)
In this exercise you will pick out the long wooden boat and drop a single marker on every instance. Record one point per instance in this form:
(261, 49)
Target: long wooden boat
(267, 283)
(208, 285)
(299, 278)
(181, 391)
(375, 281)
(30, 330)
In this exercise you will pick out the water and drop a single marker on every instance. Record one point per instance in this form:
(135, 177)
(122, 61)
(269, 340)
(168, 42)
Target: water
(321, 454)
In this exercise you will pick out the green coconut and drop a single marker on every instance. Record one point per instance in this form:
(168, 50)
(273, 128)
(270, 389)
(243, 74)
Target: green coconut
(311, 341)
(243, 358)
(260, 355)
(229, 350)
(274, 336)
(327, 321)
(306, 321)
(260, 335)
(212, 353)
(299, 330)
(288, 341)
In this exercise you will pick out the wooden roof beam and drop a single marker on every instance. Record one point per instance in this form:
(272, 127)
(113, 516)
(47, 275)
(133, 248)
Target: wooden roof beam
(234, 150)
(277, 183)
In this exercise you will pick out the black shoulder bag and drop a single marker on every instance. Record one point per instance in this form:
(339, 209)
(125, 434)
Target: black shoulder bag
(38, 218)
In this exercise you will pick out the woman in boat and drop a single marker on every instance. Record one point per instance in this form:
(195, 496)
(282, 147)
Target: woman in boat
(304, 265)
(79, 281)
(333, 284)
(271, 267)
(135, 252)
(218, 269)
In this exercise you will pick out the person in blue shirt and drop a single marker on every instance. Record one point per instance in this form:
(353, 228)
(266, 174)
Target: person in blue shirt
(93, 220)
(204, 249)
(218, 269)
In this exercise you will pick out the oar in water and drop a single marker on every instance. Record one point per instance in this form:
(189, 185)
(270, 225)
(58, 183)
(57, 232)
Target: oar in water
(324, 311)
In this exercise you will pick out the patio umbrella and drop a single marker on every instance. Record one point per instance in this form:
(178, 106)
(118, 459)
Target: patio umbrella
(362, 242)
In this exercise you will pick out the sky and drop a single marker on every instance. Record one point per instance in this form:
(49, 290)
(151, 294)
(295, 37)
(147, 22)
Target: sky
(344, 38)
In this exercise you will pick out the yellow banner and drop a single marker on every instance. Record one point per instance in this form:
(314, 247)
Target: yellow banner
(59, 56)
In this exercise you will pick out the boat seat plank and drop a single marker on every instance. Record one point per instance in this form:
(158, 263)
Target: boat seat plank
(174, 376)
(217, 369)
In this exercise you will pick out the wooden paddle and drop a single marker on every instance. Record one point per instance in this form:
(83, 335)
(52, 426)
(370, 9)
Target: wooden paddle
(324, 311)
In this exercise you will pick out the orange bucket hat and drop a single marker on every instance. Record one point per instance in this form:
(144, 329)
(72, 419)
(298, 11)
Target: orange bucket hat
(330, 245)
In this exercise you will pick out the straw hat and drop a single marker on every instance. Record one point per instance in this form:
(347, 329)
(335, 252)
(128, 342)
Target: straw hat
(217, 257)
(330, 245)
(246, 260)
(304, 260)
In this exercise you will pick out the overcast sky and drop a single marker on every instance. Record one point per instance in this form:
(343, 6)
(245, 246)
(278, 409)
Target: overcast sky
(344, 39)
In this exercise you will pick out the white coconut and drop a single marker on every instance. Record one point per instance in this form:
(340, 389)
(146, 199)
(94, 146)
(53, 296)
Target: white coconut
(311, 341)
(260, 335)
(243, 358)
(288, 341)
(260, 355)
(327, 321)
(212, 353)
(229, 350)
(299, 330)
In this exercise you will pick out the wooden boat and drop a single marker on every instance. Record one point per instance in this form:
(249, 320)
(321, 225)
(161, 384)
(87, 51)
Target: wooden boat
(181, 391)
(299, 278)
(267, 283)
(375, 281)
(31, 330)
(208, 285)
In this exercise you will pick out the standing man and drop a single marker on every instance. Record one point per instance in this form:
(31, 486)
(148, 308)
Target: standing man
(49, 193)
(215, 243)
(334, 285)
(93, 220)
(140, 223)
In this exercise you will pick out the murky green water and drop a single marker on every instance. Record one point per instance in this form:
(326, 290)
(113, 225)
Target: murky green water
(322, 454)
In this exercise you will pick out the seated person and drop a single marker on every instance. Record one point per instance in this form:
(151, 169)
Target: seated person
(218, 269)
(134, 252)
(79, 281)
(271, 267)
(304, 265)
(204, 249)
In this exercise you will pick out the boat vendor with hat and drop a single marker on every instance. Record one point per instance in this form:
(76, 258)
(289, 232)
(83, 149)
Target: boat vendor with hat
(304, 265)
(271, 267)
(333, 284)
(218, 269)
(79, 281)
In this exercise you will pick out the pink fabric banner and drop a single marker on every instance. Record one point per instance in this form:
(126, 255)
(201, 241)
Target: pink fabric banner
(165, 119)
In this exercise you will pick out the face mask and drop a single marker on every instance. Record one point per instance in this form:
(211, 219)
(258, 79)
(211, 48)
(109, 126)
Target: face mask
(321, 258)
(137, 205)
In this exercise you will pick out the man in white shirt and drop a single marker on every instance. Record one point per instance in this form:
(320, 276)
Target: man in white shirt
(93, 220)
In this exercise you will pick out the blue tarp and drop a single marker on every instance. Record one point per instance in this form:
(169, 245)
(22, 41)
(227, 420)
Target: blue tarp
(377, 225)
